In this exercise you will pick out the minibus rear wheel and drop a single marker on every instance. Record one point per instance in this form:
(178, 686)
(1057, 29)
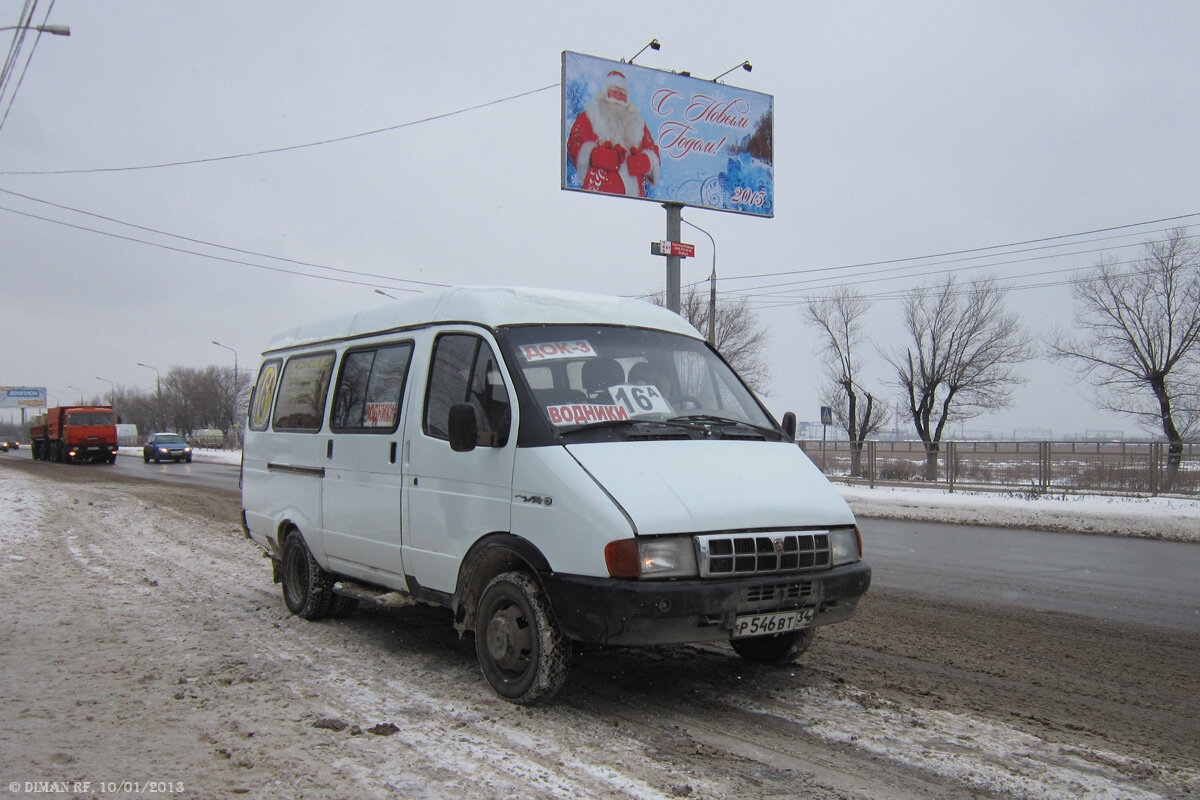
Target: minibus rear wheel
(782, 648)
(522, 651)
(307, 589)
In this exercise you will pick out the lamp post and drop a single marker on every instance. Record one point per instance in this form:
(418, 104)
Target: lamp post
(76, 388)
(57, 30)
(230, 349)
(712, 288)
(157, 393)
(385, 294)
(112, 389)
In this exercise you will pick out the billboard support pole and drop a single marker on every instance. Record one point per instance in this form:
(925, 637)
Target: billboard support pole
(674, 215)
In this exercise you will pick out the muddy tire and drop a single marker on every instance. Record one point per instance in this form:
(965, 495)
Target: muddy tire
(782, 648)
(307, 589)
(522, 651)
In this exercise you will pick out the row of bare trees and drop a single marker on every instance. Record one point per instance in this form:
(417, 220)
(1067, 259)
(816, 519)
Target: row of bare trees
(1135, 338)
(186, 400)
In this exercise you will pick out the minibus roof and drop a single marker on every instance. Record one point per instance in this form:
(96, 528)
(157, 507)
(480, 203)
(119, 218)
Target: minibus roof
(489, 306)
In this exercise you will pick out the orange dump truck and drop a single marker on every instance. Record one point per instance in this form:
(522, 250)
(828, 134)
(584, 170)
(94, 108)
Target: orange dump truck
(74, 433)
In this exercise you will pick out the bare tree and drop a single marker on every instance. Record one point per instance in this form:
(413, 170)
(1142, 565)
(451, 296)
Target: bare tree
(840, 321)
(1136, 338)
(961, 357)
(739, 337)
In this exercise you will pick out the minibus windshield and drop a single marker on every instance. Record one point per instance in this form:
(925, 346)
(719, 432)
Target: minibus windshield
(589, 376)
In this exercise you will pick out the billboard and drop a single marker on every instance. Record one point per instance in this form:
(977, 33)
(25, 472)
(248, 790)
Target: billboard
(22, 396)
(647, 134)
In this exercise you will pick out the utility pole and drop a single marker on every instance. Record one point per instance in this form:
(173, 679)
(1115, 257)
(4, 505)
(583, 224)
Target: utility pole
(674, 215)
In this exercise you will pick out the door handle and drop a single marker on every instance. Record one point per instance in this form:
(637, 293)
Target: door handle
(392, 453)
(329, 448)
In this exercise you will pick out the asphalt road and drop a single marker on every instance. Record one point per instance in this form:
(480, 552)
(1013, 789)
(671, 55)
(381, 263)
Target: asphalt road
(1107, 578)
(1141, 581)
(198, 473)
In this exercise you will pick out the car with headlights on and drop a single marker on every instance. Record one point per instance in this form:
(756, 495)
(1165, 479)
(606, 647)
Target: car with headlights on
(166, 447)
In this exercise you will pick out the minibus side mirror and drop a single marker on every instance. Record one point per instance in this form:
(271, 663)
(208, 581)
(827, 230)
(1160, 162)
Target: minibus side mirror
(789, 425)
(464, 431)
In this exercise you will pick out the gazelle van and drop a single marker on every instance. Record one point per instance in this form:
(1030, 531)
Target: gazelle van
(551, 467)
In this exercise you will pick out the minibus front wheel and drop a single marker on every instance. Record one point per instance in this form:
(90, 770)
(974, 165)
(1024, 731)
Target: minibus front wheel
(307, 589)
(522, 650)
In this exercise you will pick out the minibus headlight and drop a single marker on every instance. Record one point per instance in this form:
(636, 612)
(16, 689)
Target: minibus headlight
(666, 557)
(845, 546)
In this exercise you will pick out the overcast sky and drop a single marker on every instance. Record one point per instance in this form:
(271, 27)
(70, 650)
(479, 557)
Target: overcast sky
(901, 130)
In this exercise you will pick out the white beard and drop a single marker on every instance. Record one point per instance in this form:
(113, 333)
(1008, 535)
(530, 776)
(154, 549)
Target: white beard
(615, 122)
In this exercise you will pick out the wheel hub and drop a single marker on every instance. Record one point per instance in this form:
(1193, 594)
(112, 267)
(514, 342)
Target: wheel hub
(505, 638)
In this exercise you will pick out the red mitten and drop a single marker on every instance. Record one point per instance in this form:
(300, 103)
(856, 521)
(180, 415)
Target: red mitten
(639, 164)
(605, 157)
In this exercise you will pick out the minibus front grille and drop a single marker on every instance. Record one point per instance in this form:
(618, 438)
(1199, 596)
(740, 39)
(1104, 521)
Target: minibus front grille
(727, 555)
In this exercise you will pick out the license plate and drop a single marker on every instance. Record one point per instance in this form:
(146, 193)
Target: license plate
(767, 624)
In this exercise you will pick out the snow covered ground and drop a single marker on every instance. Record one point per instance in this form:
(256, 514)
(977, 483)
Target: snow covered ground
(1150, 517)
(188, 669)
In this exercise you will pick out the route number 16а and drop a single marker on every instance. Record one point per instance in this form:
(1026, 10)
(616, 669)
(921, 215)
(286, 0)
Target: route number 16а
(640, 400)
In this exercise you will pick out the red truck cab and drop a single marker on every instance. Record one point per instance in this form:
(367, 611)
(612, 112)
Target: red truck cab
(75, 433)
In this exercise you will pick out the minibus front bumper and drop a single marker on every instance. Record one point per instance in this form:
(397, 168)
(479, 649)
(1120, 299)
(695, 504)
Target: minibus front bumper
(646, 612)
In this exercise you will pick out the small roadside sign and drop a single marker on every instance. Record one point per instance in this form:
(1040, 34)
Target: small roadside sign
(826, 415)
(666, 248)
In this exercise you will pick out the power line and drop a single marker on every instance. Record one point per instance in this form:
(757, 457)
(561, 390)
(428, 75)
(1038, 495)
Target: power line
(898, 294)
(961, 252)
(841, 280)
(211, 244)
(214, 257)
(286, 148)
(18, 41)
(13, 97)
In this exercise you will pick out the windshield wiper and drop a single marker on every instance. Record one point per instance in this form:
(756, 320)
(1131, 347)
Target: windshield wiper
(618, 423)
(712, 419)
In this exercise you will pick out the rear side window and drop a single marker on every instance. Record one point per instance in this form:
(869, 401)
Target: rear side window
(263, 396)
(301, 404)
(465, 370)
(369, 389)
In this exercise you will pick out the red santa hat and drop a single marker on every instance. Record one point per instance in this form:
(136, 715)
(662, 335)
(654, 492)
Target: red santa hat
(615, 79)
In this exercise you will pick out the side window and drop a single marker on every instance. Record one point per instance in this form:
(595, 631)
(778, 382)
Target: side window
(369, 389)
(465, 370)
(301, 404)
(263, 396)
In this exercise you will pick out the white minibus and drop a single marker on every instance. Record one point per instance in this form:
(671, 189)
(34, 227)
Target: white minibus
(552, 467)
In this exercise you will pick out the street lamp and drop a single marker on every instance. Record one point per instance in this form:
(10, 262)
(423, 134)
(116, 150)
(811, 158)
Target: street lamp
(230, 349)
(712, 287)
(112, 389)
(385, 294)
(57, 30)
(76, 388)
(157, 393)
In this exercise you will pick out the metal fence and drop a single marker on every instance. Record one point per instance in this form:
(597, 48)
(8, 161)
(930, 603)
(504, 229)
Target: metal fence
(1033, 467)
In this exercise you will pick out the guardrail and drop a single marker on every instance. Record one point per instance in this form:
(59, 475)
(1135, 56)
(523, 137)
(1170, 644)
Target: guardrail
(1034, 468)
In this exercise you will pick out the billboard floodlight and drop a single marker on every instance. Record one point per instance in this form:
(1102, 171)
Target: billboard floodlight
(746, 65)
(654, 45)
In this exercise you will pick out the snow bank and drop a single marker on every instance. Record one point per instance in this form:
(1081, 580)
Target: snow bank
(1148, 517)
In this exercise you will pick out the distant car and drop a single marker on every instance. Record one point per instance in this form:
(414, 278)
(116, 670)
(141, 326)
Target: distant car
(9, 444)
(166, 447)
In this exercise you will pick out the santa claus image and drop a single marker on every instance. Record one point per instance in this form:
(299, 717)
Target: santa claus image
(610, 145)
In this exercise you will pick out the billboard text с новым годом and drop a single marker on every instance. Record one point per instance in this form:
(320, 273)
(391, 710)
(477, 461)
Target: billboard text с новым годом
(648, 134)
